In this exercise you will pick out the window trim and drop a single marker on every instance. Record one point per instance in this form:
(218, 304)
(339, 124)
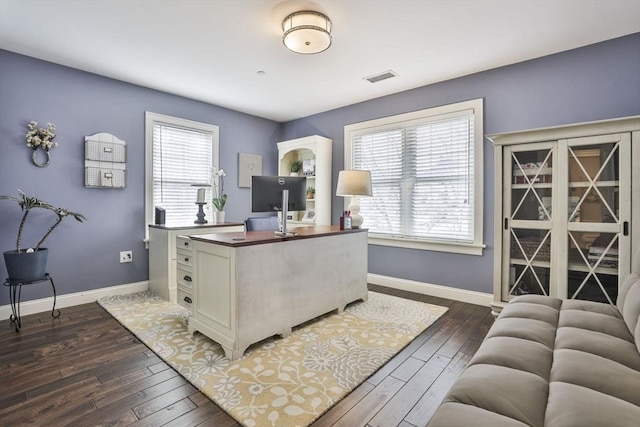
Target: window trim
(150, 119)
(476, 105)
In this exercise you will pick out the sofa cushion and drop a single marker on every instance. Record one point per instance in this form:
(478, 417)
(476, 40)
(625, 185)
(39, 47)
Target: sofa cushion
(533, 308)
(591, 307)
(593, 321)
(598, 343)
(515, 353)
(526, 329)
(454, 414)
(629, 299)
(572, 405)
(631, 308)
(505, 391)
(596, 373)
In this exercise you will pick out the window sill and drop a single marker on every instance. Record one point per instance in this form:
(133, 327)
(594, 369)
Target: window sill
(458, 248)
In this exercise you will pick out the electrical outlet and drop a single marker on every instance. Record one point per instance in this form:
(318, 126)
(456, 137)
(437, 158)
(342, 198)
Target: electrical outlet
(126, 256)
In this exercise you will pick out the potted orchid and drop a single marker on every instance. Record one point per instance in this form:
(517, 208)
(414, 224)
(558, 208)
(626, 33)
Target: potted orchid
(30, 264)
(219, 196)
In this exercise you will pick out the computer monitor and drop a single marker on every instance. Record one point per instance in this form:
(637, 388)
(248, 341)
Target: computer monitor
(279, 194)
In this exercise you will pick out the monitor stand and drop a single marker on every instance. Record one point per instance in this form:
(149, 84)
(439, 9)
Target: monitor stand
(285, 212)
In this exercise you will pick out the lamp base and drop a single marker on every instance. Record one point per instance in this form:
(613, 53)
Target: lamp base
(354, 208)
(356, 220)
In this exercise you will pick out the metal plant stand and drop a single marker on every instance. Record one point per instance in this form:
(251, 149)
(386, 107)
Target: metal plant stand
(15, 289)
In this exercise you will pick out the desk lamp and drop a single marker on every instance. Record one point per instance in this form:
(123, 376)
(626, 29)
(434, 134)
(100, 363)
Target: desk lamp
(354, 183)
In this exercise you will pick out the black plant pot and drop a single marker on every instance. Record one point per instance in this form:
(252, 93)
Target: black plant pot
(26, 266)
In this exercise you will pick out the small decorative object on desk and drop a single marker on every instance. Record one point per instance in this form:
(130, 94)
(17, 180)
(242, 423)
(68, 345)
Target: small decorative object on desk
(219, 196)
(36, 255)
(41, 138)
(345, 221)
(200, 215)
(309, 216)
(201, 202)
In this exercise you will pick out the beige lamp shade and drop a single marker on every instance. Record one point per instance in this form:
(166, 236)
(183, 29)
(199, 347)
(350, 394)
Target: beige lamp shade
(354, 183)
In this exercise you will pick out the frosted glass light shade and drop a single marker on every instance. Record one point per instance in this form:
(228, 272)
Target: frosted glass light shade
(354, 183)
(307, 32)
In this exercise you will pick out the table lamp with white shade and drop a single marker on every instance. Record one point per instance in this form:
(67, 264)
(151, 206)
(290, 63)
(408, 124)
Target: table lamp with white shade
(354, 183)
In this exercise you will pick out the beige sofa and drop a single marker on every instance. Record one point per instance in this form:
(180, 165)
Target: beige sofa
(554, 363)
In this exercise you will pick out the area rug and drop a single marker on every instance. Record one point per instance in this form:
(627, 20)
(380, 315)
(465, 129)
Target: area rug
(279, 382)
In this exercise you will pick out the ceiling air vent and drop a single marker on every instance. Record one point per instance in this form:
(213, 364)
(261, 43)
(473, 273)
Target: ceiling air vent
(382, 76)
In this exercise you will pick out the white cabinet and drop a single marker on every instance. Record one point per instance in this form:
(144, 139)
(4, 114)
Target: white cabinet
(564, 210)
(315, 154)
(164, 266)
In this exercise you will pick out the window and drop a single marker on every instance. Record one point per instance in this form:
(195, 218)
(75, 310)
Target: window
(178, 153)
(426, 172)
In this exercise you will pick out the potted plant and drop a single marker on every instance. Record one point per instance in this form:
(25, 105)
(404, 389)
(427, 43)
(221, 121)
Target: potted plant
(31, 264)
(295, 167)
(219, 197)
(311, 192)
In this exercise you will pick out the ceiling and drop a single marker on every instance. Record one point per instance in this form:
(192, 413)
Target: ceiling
(212, 50)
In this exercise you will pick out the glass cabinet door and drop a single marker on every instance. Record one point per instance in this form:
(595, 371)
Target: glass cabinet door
(597, 208)
(527, 219)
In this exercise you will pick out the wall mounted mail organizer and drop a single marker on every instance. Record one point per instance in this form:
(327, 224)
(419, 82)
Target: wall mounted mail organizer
(105, 161)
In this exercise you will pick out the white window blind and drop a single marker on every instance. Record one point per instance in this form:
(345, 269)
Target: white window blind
(181, 153)
(423, 176)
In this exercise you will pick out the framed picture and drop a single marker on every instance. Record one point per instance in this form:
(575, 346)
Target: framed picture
(309, 216)
(248, 166)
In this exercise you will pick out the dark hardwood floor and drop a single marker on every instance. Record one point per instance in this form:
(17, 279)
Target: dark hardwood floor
(85, 369)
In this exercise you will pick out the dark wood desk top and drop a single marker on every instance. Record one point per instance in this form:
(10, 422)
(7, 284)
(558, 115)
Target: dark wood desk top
(250, 238)
(192, 226)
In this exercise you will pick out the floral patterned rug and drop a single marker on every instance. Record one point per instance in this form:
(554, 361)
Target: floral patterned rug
(279, 382)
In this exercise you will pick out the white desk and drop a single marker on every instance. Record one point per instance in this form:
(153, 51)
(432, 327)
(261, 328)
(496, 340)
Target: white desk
(250, 286)
(163, 253)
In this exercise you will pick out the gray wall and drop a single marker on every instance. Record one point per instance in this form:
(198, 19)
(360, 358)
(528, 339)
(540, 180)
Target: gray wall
(600, 81)
(596, 82)
(86, 256)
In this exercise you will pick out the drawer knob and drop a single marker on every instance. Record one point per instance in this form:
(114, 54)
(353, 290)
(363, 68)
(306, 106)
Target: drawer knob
(186, 259)
(187, 300)
(187, 278)
(186, 244)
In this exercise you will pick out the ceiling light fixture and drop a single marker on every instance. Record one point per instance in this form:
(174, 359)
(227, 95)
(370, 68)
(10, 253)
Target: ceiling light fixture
(307, 32)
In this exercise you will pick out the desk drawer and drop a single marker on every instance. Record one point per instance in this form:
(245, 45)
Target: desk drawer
(183, 242)
(185, 277)
(185, 258)
(185, 299)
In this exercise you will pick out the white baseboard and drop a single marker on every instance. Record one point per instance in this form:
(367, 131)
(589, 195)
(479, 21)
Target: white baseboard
(69, 300)
(471, 297)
